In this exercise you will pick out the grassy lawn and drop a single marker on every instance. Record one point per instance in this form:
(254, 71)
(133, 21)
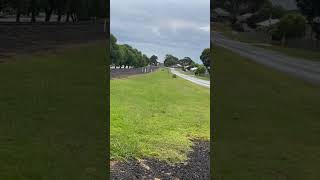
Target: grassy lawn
(294, 52)
(266, 123)
(53, 117)
(190, 73)
(154, 115)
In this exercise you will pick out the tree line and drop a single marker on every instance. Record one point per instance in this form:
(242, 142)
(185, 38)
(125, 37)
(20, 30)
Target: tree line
(293, 24)
(74, 10)
(124, 55)
(188, 63)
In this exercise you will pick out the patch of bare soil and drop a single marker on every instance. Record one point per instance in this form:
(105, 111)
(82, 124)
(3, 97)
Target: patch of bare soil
(197, 167)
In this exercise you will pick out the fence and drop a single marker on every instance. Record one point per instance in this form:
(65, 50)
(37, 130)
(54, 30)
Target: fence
(132, 71)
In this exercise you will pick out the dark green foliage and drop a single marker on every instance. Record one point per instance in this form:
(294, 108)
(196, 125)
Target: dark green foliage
(311, 9)
(186, 61)
(170, 60)
(237, 7)
(153, 60)
(201, 70)
(290, 26)
(125, 55)
(205, 58)
(77, 10)
(267, 11)
(174, 76)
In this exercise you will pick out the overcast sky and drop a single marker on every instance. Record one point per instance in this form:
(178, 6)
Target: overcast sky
(177, 27)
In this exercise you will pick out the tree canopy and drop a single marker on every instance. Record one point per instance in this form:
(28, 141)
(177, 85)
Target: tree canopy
(205, 58)
(125, 55)
(170, 60)
(75, 10)
(153, 60)
(291, 25)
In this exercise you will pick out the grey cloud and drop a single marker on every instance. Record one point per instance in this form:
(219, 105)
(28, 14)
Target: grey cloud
(160, 27)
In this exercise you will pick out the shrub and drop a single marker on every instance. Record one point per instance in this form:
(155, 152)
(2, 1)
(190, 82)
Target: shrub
(290, 26)
(237, 26)
(201, 70)
(174, 76)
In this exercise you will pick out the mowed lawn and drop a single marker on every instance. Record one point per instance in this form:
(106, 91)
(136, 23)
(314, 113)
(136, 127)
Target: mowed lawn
(155, 115)
(267, 123)
(53, 116)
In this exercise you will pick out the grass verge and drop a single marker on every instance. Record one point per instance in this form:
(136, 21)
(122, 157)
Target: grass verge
(154, 115)
(266, 123)
(189, 73)
(294, 52)
(52, 117)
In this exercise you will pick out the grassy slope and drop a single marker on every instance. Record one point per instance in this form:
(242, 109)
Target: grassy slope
(193, 75)
(152, 115)
(52, 118)
(267, 123)
(294, 52)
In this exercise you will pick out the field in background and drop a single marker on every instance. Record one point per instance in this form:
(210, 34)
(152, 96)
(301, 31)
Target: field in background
(267, 123)
(155, 115)
(53, 117)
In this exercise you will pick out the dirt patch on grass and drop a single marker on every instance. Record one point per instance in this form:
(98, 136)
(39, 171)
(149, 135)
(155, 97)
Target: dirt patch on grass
(196, 167)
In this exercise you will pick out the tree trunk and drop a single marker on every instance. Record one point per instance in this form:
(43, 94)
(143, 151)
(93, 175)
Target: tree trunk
(59, 16)
(68, 17)
(33, 16)
(283, 40)
(18, 15)
(74, 17)
(48, 15)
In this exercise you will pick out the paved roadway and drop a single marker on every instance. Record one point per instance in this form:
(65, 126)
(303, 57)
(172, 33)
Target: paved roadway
(198, 81)
(301, 68)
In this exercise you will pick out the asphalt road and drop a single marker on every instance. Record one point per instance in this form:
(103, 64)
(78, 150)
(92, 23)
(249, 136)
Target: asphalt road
(198, 81)
(301, 68)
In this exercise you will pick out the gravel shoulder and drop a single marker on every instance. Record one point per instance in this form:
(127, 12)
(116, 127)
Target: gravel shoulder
(196, 167)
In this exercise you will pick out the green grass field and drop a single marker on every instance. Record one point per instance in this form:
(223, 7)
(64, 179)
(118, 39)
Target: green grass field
(155, 115)
(52, 115)
(266, 123)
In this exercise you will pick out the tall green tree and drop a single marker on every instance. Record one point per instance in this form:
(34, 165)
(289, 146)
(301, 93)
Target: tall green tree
(292, 25)
(205, 58)
(153, 60)
(170, 60)
(237, 7)
(311, 9)
(186, 61)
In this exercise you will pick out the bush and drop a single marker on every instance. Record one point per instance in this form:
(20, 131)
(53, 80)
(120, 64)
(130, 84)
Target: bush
(237, 26)
(291, 25)
(174, 76)
(201, 70)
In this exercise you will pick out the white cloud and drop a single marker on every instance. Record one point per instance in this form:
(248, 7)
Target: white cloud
(205, 28)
